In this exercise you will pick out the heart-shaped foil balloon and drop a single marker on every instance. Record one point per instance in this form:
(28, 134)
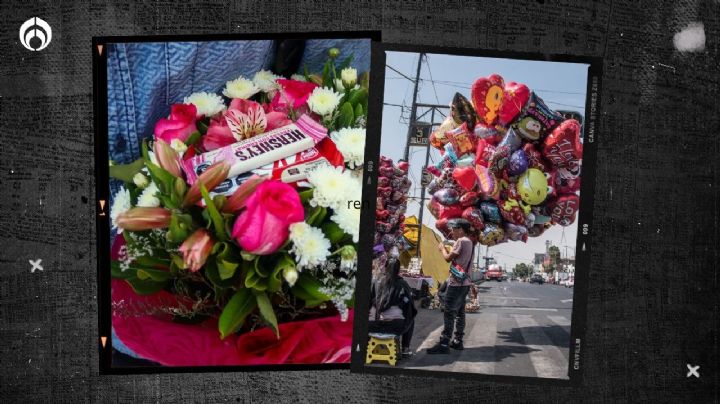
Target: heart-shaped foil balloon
(474, 216)
(451, 212)
(447, 196)
(491, 213)
(513, 214)
(461, 139)
(562, 147)
(383, 181)
(491, 234)
(387, 172)
(535, 158)
(489, 133)
(382, 227)
(516, 232)
(483, 153)
(384, 192)
(434, 207)
(442, 226)
(536, 119)
(466, 177)
(487, 97)
(488, 184)
(501, 156)
(381, 214)
(567, 180)
(462, 111)
(469, 199)
(564, 209)
(515, 96)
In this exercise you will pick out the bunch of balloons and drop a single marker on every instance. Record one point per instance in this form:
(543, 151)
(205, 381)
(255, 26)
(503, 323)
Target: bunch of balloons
(510, 165)
(392, 189)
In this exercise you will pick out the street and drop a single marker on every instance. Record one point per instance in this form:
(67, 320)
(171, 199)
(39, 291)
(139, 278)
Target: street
(521, 329)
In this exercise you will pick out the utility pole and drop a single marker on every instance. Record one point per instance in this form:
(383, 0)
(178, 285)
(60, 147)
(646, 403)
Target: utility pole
(412, 109)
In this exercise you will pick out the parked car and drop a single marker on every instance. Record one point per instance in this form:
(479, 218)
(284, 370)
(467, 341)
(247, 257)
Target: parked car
(494, 273)
(570, 282)
(537, 278)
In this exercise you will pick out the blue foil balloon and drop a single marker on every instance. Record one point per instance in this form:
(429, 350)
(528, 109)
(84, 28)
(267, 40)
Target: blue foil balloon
(491, 212)
(518, 163)
(447, 196)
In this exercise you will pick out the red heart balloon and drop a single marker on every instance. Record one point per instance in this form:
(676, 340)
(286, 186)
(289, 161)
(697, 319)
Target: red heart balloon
(567, 180)
(487, 97)
(563, 209)
(434, 207)
(562, 146)
(451, 212)
(466, 177)
(535, 158)
(515, 96)
(469, 199)
(474, 216)
(442, 226)
(513, 215)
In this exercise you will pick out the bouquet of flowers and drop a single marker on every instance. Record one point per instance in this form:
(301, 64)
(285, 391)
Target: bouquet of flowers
(244, 233)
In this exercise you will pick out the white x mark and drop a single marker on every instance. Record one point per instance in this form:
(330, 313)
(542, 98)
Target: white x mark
(693, 371)
(36, 265)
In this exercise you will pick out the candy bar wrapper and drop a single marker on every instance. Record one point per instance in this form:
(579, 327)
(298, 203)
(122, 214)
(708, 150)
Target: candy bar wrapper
(260, 150)
(291, 169)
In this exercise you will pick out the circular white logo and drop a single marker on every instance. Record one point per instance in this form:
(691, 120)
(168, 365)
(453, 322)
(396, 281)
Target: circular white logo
(35, 34)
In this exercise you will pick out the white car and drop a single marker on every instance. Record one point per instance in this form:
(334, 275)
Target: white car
(569, 283)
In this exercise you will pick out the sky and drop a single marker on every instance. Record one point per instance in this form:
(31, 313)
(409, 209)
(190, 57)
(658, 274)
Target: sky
(561, 85)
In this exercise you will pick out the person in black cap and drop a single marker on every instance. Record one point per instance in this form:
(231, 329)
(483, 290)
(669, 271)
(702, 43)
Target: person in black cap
(458, 285)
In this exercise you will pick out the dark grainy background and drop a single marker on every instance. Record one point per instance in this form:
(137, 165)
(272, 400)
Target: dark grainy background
(652, 304)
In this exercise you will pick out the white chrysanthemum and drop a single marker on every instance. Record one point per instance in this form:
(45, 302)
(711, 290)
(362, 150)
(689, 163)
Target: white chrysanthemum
(265, 80)
(351, 143)
(331, 186)
(298, 77)
(349, 220)
(148, 197)
(310, 246)
(207, 104)
(121, 204)
(349, 77)
(179, 146)
(240, 88)
(323, 101)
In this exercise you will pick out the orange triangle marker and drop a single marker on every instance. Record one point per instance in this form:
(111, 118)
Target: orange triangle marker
(103, 340)
(100, 49)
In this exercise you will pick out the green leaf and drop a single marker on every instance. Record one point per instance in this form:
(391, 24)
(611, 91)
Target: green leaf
(227, 262)
(358, 96)
(126, 172)
(252, 278)
(151, 262)
(306, 195)
(118, 273)
(213, 275)
(215, 216)
(236, 311)
(180, 227)
(333, 232)
(347, 116)
(266, 311)
(359, 111)
(145, 287)
(326, 79)
(307, 288)
(316, 216)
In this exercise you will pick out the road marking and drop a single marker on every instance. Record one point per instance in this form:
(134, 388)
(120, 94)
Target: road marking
(431, 339)
(526, 308)
(546, 358)
(508, 297)
(560, 320)
(566, 301)
(480, 341)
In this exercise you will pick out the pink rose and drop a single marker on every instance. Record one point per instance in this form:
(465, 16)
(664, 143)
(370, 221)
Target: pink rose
(263, 226)
(180, 124)
(293, 94)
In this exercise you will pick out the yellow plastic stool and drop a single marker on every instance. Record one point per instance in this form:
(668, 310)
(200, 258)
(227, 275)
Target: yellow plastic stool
(382, 347)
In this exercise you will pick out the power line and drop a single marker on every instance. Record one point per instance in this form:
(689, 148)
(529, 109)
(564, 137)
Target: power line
(437, 99)
(399, 72)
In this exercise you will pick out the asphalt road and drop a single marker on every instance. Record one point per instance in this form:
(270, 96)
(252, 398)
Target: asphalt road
(522, 329)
